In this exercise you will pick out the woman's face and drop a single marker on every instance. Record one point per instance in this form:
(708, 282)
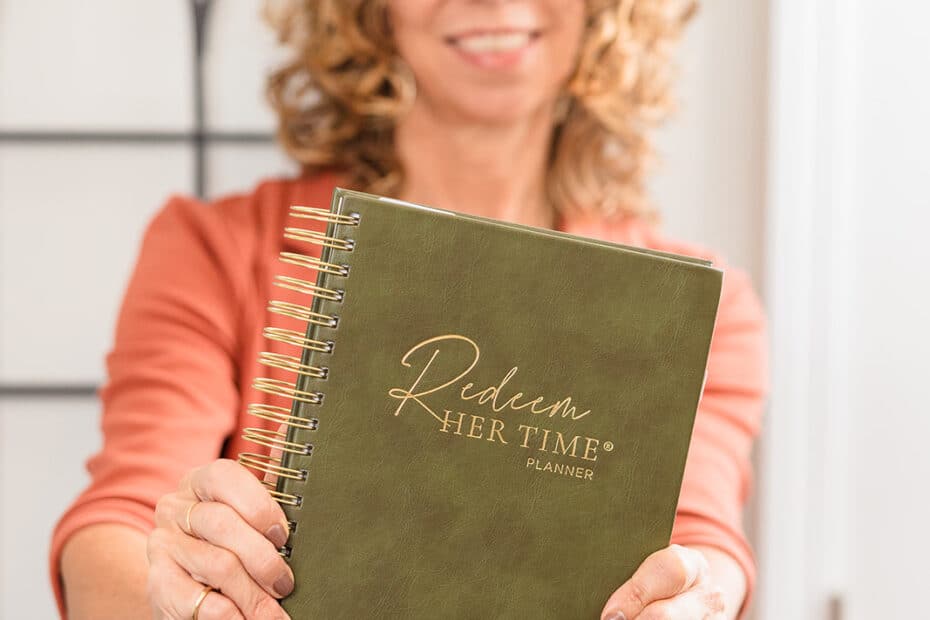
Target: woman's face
(489, 61)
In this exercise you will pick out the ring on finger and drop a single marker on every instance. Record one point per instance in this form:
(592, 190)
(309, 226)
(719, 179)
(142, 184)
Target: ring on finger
(187, 520)
(200, 598)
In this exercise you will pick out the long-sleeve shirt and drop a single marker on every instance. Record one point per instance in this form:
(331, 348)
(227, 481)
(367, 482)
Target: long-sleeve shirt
(188, 336)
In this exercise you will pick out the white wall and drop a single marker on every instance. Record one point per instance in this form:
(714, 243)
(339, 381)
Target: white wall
(889, 336)
(844, 497)
(710, 183)
(71, 215)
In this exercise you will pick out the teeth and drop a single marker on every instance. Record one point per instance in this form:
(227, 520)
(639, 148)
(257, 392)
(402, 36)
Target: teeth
(494, 42)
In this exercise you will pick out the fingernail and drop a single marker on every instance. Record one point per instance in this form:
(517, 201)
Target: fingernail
(284, 585)
(277, 534)
(617, 615)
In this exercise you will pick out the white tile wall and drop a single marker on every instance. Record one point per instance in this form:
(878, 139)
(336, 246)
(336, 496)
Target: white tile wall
(238, 167)
(43, 446)
(241, 48)
(70, 224)
(71, 217)
(95, 64)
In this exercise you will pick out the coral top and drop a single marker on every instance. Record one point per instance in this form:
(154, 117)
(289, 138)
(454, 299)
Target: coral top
(189, 334)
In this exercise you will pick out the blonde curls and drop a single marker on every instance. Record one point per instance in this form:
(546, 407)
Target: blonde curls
(340, 93)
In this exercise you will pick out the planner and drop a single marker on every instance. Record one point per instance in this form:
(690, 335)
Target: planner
(481, 419)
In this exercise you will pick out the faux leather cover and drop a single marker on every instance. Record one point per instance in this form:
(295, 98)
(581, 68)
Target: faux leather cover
(506, 417)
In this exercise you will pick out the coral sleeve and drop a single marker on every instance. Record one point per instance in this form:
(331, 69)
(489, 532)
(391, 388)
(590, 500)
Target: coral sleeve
(718, 475)
(170, 399)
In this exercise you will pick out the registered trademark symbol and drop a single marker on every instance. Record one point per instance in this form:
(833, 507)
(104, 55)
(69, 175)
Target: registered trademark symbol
(608, 445)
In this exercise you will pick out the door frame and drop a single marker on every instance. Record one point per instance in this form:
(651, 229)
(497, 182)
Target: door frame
(810, 234)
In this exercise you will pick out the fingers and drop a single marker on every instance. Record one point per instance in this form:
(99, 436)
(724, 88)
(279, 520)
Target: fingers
(223, 529)
(215, 606)
(223, 570)
(230, 483)
(222, 526)
(705, 603)
(210, 565)
(664, 574)
(173, 593)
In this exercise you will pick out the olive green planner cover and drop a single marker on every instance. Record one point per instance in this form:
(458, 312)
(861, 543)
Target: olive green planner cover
(504, 421)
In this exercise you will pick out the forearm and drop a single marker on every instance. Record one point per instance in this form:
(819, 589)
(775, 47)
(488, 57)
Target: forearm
(104, 571)
(727, 574)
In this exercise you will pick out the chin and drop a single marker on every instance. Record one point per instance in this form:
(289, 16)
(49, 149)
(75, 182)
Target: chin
(502, 112)
(492, 105)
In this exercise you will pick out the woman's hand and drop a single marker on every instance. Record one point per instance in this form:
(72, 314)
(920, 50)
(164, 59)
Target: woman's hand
(671, 584)
(222, 529)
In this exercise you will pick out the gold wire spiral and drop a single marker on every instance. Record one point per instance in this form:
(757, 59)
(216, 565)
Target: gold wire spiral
(308, 288)
(288, 499)
(277, 441)
(281, 415)
(289, 336)
(292, 364)
(270, 465)
(302, 313)
(277, 387)
(324, 215)
(311, 262)
(314, 236)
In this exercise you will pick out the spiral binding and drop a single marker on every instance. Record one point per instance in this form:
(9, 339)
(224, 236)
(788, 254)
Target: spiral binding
(278, 440)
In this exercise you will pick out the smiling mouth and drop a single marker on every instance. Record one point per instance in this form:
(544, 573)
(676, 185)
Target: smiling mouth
(490, 42)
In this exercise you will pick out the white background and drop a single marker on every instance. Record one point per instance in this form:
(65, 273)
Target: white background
(798, 152)
(845, 461)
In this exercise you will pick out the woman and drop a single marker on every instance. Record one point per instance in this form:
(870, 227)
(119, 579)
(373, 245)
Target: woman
(530, 111)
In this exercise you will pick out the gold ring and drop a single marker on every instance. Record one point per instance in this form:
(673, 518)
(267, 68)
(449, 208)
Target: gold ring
(187, 520)
(200, 598)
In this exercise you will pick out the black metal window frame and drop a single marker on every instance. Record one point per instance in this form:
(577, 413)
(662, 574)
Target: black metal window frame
(199, 138)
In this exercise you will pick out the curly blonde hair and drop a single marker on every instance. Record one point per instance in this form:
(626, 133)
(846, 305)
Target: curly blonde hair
(340, 93)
